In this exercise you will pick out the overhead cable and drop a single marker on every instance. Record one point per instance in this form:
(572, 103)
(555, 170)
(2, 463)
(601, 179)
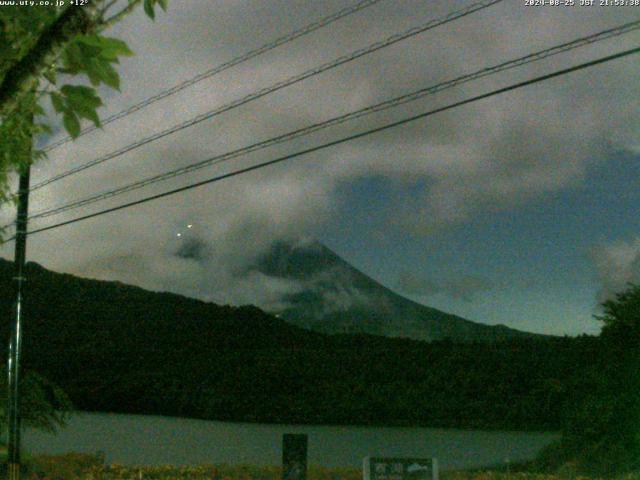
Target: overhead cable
(274, 88)
(410, 97)
(307, 29)
(323, 146)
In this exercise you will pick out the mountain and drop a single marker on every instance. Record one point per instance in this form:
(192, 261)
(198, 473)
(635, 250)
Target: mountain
(118, 348)
(331, 296)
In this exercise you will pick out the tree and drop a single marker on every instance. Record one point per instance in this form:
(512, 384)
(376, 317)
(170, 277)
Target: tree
(53, 45)
(45, 405)
(621, 317)
(601, 432)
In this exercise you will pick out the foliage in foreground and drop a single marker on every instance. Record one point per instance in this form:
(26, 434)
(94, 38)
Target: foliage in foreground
(601, 431)
(491, 475)
(117, 348)
(43, 404)
(42, 48)
(76, 466)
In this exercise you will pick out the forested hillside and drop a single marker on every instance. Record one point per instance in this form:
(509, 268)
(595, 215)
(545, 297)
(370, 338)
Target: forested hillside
(118, 348)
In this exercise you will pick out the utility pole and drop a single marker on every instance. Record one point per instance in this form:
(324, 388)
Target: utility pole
(15, 339)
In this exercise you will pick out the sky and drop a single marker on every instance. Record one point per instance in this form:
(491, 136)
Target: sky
(520, 209)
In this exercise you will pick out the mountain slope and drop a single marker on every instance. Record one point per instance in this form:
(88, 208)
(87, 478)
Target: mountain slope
(334, 297)
(119, 348)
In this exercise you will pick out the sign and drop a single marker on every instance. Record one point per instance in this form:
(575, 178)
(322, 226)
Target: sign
(294, 456)
(385, 468)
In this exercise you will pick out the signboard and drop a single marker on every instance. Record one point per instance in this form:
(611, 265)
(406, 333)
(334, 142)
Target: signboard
(386, 468)
(294, 456)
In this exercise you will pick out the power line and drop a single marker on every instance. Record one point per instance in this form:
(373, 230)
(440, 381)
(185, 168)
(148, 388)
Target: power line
(277, 86)
(312, 27)
(344, 139)
(413, 96)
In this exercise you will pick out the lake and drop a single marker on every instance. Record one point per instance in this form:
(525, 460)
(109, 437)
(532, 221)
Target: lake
(155, 440)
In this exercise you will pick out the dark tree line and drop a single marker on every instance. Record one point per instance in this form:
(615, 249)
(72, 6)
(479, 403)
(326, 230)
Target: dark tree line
(601, 423)
(117, 348)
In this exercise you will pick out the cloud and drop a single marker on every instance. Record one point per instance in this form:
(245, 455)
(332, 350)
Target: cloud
(337, 288)
(491, 155)
(617, 265)
(463, 287)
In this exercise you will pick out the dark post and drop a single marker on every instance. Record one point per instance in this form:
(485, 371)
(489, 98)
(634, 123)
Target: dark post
(15, 340)
(294, 456)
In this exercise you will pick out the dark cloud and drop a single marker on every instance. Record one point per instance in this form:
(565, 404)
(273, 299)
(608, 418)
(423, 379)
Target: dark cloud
(192, 249)
(491, 155)
(617, 265)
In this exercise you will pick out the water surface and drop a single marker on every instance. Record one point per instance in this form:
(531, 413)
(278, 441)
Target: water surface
(154, 440)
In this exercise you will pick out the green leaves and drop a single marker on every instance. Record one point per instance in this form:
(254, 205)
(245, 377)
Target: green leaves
(149, 6)
(148, 9)
(93, 56)
(110, 48)
(71, 124)
(45, 405)
(20, 29)
(98, 72)
(75, 102)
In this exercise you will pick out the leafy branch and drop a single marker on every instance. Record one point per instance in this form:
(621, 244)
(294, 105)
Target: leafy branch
(39, 43)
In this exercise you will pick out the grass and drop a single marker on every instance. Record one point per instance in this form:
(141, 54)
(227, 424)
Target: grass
(77, 466)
